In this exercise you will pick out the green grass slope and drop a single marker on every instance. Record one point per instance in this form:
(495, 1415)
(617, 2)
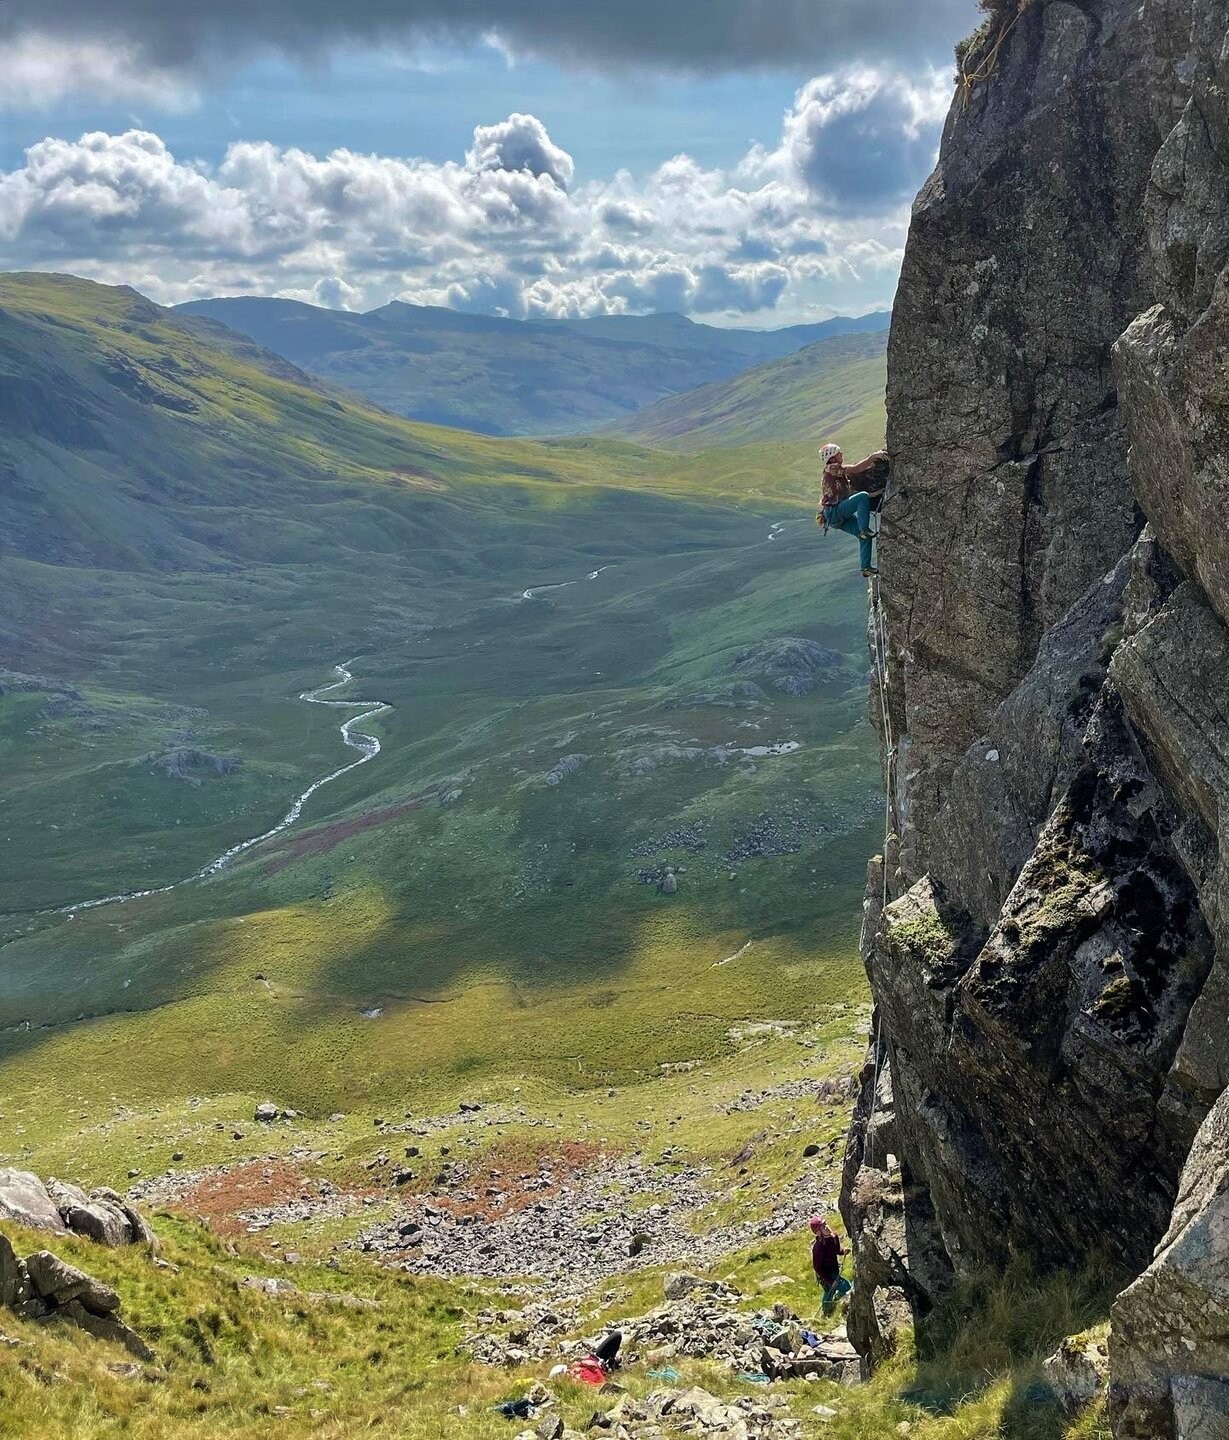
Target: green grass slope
(501, 376)
(833, 389)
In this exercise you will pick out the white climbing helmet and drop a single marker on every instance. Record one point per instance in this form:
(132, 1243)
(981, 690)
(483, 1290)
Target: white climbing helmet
(829, 452)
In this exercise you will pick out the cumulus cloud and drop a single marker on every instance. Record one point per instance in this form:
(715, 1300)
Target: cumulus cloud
(860, 139)
(133, 45)
(507, 229)
(520, 143)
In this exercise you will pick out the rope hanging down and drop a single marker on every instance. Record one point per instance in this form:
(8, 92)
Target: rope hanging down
(889, 752)
(989, 62)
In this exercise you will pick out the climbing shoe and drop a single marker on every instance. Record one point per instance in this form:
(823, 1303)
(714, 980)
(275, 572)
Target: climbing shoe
(866, 535)
(868, 574)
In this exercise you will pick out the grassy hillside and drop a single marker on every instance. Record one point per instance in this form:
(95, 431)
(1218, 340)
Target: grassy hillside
(833, 389)
(507, 377)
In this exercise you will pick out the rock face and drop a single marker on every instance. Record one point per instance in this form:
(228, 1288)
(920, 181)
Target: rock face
(1051, 970)
(1171, 1327)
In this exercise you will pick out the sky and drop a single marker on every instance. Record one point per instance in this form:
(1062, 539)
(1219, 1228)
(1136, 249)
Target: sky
(746, 162)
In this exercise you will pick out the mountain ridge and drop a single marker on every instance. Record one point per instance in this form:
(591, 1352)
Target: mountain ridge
(498, 375)
(831, 389)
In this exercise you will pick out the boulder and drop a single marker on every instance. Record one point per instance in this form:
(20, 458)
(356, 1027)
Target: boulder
(270, 1285)
(679, 1285)
(25, 1201)
(1078, 1370)
(266, 1111)
(106, 1224)
(14, 1281)
(105, 1327)
(56, 1282)
(103, 1215)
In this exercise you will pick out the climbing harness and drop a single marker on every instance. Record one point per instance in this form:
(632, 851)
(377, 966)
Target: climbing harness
(989, 63)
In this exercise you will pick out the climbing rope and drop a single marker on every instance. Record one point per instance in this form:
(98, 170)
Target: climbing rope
(889, 789)
(990, 60)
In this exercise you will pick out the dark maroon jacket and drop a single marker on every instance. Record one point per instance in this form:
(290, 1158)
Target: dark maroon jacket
(826, 1257)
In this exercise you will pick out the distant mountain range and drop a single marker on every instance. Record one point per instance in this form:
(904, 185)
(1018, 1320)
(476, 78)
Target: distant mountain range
(512, 377)
(833, 389)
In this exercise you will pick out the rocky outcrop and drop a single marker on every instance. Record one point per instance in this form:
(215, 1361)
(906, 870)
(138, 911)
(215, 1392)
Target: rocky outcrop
(1051, 970)
(103, 1215)
(561, 769)
(46, 1289)
(190, 764)
(791, 665)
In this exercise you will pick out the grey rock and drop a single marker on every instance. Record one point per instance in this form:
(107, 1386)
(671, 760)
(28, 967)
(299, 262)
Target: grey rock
(1057, 870)
(792, 665)
(57, 1282)
(1078, 1371)
(1006, 785)
(560, 771)
(14, 1280)
(105, 1327)
(1004, 435)
(266, 1111)
(1169, 1345)
(24, 1200)
(269, 1285)
(106, 1224)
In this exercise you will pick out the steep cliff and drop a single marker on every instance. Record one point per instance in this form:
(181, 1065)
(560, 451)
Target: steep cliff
(1051, 973)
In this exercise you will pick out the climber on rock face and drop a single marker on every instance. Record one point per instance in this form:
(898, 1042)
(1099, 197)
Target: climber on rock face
(826, 1252)
(846, 509)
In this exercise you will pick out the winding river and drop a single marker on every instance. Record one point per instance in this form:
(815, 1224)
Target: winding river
(364, 742)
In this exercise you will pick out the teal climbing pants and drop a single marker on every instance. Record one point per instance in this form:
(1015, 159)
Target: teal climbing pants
(835, 1292)
(854, 517)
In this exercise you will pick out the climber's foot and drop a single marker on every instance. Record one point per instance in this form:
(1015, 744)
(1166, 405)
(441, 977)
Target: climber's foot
(866, 534)
(867, 574)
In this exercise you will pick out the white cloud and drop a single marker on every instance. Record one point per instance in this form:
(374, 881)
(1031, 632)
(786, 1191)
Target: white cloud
(37, 70)
(520, 143)
(508, 229)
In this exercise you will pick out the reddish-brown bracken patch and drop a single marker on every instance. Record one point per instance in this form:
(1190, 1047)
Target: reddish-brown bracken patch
(222, 1196)
(511, 1178)
(416, 479)
(327, 837)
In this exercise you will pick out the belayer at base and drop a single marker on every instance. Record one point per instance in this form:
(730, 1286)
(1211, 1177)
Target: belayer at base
(842, 508)
(826, 1252)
